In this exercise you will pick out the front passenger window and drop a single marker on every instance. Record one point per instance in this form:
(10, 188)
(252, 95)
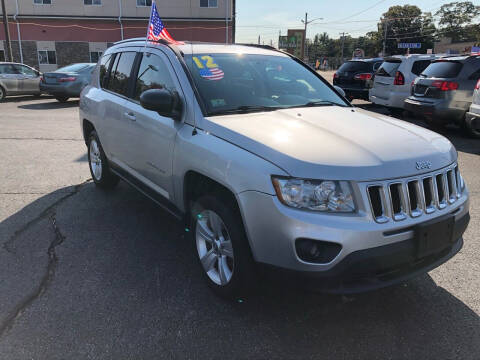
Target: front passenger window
(152, 74)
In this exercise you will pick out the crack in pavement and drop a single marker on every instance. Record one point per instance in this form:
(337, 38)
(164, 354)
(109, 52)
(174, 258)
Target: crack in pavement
(47, 278)
(7, 245)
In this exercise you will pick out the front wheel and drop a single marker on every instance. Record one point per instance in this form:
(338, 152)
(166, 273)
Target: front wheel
(98, 163)
(2, 93)
(222, 247)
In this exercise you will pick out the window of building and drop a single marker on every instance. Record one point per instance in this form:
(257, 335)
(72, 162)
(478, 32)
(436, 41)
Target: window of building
(92, 2)
(2, 55)
(120, 78)
(42, 2)
(209, 3)
(47, 57)
(152, 74)
(95, 55)
(144, 2)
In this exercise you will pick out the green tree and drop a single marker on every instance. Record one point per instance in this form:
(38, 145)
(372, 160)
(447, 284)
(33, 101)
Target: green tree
(406, 24)
(455, 19)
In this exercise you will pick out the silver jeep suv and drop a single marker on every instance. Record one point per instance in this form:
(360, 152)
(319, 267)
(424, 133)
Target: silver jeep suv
(270, 165)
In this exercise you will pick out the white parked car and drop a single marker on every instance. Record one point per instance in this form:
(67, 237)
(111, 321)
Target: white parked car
(394, 78)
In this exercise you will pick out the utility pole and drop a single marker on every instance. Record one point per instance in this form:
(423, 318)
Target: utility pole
(7, 31)
(258, 39)
(304, 43)
(385, 24)
(343, 42)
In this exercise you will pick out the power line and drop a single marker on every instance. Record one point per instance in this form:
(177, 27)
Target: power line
(363, 11)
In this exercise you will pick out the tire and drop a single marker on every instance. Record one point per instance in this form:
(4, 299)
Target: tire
(98, 164)
(212, 249)
(3, 93)
(62, 99)
(469, 130)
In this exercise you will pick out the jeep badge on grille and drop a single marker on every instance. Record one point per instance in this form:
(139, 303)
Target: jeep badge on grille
(423, 165)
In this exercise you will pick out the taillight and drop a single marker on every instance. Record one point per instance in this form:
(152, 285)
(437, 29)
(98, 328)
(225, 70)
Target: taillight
(67, 79)
(445, 85)
(42, 79)
(478, 85)
(363, 76)
(335, 76)
(399, 79)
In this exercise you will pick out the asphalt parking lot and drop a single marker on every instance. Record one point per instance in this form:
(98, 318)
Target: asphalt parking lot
(88, 274)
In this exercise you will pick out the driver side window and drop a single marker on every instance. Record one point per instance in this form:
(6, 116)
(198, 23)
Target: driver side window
(152, 74)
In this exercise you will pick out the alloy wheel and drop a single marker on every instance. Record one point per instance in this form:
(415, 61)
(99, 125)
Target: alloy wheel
(95, 160)
(214, 247)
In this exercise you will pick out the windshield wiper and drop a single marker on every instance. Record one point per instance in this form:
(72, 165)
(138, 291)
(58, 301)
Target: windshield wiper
(321, 103)
(245, 109)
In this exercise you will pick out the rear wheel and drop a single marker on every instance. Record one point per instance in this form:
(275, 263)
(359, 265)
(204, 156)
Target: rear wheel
(472, 130)
(222, 247)
(62, 99)
(2, 93)
(97, 161)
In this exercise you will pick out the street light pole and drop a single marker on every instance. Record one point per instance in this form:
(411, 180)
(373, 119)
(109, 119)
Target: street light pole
(304, 44)
(7, 32)
(343, 42)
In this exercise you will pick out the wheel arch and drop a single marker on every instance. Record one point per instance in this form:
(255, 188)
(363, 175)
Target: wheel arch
(87, 128)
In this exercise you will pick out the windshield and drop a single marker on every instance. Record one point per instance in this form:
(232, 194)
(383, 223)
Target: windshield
(443, 69)
(74, 68)
(230, 83)
(388, 68)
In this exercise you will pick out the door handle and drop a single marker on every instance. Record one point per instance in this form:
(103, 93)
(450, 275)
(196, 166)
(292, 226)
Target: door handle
(130, 116)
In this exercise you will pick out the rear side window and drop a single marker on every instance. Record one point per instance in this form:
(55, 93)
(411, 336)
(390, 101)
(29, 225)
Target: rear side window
(419, 66)
(104, 72)
(152, 74)
(7, 69)
(355, 66)
(443, 69)
(388, 68)
(120, 74)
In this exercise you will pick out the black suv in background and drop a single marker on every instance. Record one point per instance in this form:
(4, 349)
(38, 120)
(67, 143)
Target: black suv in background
(355, 77)
(443, 92)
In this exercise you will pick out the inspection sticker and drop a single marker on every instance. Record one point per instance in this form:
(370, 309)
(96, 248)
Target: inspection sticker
(208, 69)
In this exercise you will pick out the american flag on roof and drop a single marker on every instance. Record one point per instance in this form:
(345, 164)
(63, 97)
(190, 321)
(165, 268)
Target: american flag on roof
(156, 29)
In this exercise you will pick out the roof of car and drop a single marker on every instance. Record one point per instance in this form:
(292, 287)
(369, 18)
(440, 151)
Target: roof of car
(368, 59)
(215, 48)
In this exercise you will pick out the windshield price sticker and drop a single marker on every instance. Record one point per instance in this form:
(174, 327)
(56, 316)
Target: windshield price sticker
(208, 69)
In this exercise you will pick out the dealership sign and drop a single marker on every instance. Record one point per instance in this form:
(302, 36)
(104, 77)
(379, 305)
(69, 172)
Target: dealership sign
(409, 45)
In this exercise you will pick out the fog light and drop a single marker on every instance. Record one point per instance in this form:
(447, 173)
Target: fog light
(315, 251)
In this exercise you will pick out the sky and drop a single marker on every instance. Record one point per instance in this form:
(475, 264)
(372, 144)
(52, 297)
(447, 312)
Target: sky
(356, 17)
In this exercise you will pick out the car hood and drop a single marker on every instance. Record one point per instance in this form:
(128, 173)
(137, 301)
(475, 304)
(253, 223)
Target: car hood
(335, 142)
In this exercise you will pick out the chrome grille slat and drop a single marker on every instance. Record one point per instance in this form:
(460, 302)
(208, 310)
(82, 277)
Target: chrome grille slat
(415, 196)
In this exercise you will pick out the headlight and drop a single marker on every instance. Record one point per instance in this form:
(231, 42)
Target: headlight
(315, 195)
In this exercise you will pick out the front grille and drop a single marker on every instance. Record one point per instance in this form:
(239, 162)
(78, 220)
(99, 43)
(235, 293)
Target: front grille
(414, 197)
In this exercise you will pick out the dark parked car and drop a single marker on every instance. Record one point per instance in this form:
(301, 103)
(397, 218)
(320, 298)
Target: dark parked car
(68, 81)
(355, 77)
(443, 92)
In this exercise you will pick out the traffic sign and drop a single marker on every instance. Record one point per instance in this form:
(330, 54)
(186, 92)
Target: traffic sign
(409, 45)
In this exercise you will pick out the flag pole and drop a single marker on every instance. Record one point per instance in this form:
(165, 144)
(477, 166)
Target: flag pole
(148, 26)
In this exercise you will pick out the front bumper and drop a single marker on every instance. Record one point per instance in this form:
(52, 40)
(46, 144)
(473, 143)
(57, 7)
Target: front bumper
(372, 255)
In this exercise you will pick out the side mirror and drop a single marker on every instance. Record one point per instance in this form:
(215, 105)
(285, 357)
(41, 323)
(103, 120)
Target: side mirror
(165, 102)
(339, 90)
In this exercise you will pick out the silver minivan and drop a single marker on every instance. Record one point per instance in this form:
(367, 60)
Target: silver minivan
(271, 167)
(18, 79)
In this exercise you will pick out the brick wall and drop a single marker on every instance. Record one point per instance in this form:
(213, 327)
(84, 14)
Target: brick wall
(29, 51)
(72, 52)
